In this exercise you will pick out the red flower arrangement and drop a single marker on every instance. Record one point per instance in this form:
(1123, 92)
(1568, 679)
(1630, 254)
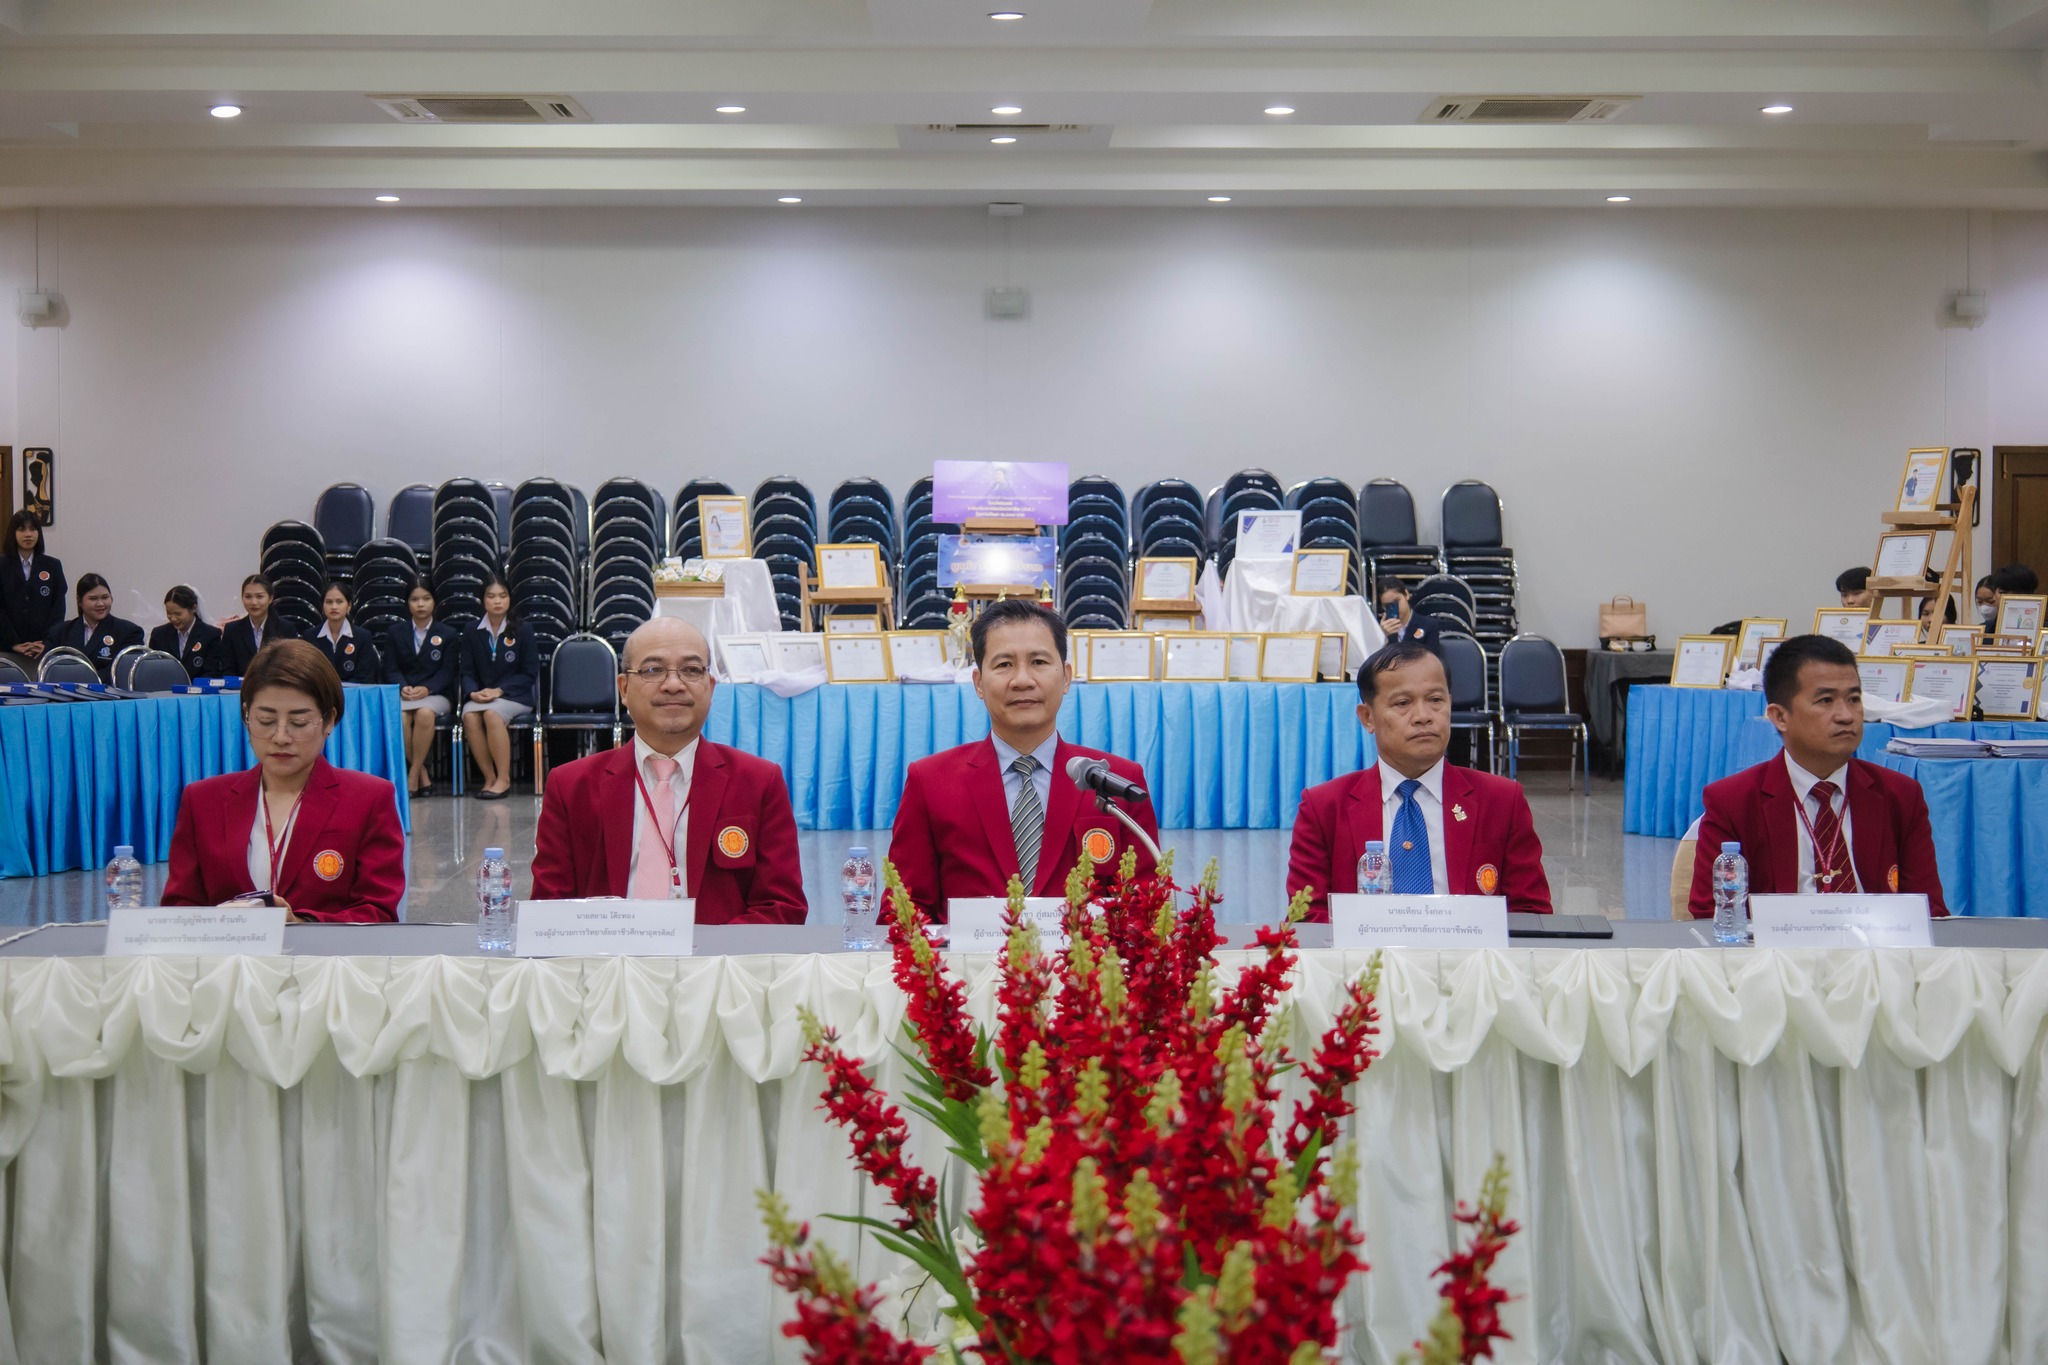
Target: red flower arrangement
(1138, 1200)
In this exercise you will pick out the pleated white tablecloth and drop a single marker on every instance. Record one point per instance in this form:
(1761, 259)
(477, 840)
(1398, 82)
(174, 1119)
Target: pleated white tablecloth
(1836, 1157)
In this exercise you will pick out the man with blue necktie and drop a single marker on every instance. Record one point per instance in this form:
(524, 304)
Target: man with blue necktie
(1455, 831)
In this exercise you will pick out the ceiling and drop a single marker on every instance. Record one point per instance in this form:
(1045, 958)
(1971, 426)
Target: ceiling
(1894, 102)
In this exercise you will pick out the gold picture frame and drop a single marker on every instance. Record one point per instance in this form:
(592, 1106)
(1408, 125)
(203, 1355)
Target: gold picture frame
(1894, 675)
(1339, 668)
(1921, 652)
(1844, 624)
(1320, 569)
(2020, 613)
(1925, 671)
(726, 507)
(843, 557)
(1924, 473)
(1961, 641)
(1206, 652)
(924, 649)
(1125, 648)
(1892, 564)
(1751, 635)
(1150, 569)
(1690, 658)
(1296, 659)
(847, 658)
(2031, 670)
(1888, 633)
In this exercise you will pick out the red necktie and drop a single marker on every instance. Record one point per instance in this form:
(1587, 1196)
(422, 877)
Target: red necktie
(1830, 852)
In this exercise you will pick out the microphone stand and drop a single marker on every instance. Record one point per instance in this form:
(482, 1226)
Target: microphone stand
(1108, 807)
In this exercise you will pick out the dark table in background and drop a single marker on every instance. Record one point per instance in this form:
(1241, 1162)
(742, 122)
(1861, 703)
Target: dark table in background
(1606, 709)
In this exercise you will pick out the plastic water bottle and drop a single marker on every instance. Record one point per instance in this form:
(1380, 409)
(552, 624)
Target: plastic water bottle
(494, 903)
(124, 879)
(857, 888)
(1375, 870)
(1731, 895)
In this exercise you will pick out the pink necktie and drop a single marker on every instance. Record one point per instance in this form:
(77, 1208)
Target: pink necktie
(650, 867)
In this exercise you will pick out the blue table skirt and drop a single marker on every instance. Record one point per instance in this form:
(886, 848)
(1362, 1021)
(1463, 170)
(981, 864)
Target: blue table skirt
(77, 778)
(1217, 755)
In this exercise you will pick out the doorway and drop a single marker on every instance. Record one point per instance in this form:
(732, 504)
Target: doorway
(2019, 507)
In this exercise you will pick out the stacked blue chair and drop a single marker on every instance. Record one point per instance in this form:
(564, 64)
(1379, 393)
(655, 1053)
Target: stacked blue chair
(1329, 520)
(346, 518)
(466, 549)
(1473, 552)
(1387, 537)
(410, 519)
(1168, 518)
(501, 503)
(785, 527)
(922, 604)
(1095, 556)
(294, 558)
(686, 536)
(626, 542)
(386, 569)
(546, 570)
(1248, 490)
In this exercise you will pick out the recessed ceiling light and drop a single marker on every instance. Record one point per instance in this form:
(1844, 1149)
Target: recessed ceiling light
(387, 198)
(226, 111)
(1619, 199)
(1004, 16)
(789, 199)
(1219, 198)
(1002, 141)
(1278, 109)
(1775, 109)
(732, 108)
(1007, 109)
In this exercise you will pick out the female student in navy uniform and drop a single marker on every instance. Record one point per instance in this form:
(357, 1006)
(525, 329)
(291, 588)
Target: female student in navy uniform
(355, 657)
(96, 632)
(500, 683)
(31, 587)
(243, 636)
(420, 656)
(183, 635)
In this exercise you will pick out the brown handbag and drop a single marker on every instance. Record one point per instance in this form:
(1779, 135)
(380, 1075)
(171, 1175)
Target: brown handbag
(1624, 618)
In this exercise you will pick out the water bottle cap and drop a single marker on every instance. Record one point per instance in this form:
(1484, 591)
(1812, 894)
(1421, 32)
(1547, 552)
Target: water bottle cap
(857, 851)
(1732, 846)
(124, 850)
(1375, 846)
(494, 853)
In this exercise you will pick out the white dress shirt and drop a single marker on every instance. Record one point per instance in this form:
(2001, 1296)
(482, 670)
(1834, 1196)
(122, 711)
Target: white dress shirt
(1429, 797)
(686, 768)
(1802, 792)
(348, 632)
(260, 875)
(1041, 776)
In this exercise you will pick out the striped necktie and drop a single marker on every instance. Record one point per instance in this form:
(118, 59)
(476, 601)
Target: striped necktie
(1027, 820)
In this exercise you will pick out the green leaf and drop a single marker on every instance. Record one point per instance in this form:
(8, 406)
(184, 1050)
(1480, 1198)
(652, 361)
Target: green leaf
(1306, 1162)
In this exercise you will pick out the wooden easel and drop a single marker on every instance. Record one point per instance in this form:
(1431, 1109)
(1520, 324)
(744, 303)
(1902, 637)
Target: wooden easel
(813, 598)
(1957, 574)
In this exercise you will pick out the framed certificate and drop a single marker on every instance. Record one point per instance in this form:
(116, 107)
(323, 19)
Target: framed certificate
(1920, 485)
(1756, 630)
(1903, 554)
(1289, 658)
(1765, 651)
(1702, 660)
(1166, 580)
(916, 651)
(1158, 625)
(1951, 680)
(744, 657)
(1268, 535)
(1844, 624)
(2041, 645)
(2008, 645)
(1244, 657)
(1886, 679)
(1321, 573)
(1333, 651)
(1880, 636)
(2009, 689)
(853, 625)
(1197, 657)
(1921, 652)
(791, 652)
(723, 521)
(1120, 656)
(2019, 614)
(1961, 641)
(849, 566)
(858, 658)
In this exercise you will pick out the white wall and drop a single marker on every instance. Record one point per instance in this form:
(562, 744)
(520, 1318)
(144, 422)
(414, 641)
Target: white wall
(1706, 409)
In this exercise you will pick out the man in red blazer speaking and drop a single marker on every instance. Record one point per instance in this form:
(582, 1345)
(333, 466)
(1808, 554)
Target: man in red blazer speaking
(974, 816)
(672, 815)
(1449, 831)
(1816, 819)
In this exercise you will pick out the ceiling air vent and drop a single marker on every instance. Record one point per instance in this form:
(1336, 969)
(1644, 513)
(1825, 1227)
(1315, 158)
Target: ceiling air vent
(482, 108)
(1527, 108)
(986, 128)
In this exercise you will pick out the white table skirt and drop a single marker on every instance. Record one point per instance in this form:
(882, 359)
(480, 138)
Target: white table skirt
(1717, 1156)
(1257, 595)
(748, 607)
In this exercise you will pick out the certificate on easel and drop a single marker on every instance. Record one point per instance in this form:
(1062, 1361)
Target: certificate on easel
(1268, 535)
(1880, 636)
(858, 658)
(1920, 485)
(849, 566)
(2020, 614)
(723, 521)
(745, 657)
(1903, 555)
(1165, 582)
(1960, 641)
(1120, 656)
(1702, 660)
(1321, 573)
(1333, 655)
(1843, 624)
(2009, 689)
(1886, 679)
(1951, 680)
(1755, 630)
(1244, 657)
(1197, 657)
(1289, 658)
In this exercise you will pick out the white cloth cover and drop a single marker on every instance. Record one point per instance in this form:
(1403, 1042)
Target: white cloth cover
(1717, 1156)
(1907, 715)
(1256, 597)
(748, 607)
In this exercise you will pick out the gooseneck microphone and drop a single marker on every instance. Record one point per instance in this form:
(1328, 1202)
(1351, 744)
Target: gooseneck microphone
(1092, 774)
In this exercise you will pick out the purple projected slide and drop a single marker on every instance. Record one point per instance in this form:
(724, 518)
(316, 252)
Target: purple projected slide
(966, 489)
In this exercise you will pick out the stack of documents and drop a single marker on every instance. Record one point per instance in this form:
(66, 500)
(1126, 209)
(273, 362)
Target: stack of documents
(1939, 748)
(2020, 748)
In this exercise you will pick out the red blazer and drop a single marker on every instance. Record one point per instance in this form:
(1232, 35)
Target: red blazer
(345, 862)
(740, 859)
(1893, 846)
(1494, 851)
(952, 834)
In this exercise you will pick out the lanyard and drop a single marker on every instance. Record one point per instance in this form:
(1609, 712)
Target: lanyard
(1824, 871)
(278, 846)
(668, 841)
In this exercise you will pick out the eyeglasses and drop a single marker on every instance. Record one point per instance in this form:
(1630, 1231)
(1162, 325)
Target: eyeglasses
(654, 673)
(295, 726)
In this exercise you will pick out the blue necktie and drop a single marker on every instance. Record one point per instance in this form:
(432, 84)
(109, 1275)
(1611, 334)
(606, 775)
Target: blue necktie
(1409, 848)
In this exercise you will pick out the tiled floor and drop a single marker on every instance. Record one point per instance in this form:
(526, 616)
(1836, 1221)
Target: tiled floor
(1594, 868)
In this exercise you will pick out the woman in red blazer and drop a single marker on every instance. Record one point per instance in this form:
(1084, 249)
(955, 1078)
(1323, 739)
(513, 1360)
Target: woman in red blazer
(321, 841)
